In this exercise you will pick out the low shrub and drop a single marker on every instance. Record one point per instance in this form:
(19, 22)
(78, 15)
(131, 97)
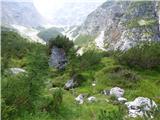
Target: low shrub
(117, 76)
(7, 112)
(144, 55)
(90, 58)
(112, 115)
(56, 100)
(15, 96)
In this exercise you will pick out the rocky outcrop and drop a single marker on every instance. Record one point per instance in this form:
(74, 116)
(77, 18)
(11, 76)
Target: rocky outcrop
(58, 58)
(124, 23)
(140, 107)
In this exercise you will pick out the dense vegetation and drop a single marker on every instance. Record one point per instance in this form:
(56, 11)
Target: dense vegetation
(31, 96)
(145, 55)
(60, 42)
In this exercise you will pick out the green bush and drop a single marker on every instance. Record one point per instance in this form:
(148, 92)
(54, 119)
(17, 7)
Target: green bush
(7, 112)
(15, 94)
(54, 100)
(144, 55)
(37, 68)
(90, 58)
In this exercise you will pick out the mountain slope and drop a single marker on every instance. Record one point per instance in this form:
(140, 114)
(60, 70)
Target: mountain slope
(124, 23)
(20, 13)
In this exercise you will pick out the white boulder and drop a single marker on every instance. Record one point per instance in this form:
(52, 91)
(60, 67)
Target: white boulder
(92, 99)
(122, 99)
(16, 71)
(117, 92)
(141, 106)
(80, 99)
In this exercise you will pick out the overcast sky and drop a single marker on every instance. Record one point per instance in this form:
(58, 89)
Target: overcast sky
(53, 0)
(17, 0)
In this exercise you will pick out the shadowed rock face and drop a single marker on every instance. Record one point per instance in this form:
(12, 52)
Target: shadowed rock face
(58, 58)
(124, 23)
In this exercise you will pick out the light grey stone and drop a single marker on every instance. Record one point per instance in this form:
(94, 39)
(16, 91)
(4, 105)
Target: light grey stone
(80, 99)
(122, 99)
(140, 107)
(16, 71)
(117, 92)
(91, 99)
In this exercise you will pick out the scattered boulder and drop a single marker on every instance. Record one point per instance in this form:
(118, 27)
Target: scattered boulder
(140, 107)
(16, 71)
(70, 84)
(58, 58)
(122, 100)
(73, 82)
(92, 99)
(80, 99)
(117, 92)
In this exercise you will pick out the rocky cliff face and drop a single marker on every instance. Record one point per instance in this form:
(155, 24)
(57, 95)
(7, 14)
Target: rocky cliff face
(124, 23)
(20, 13)
(58, 58)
